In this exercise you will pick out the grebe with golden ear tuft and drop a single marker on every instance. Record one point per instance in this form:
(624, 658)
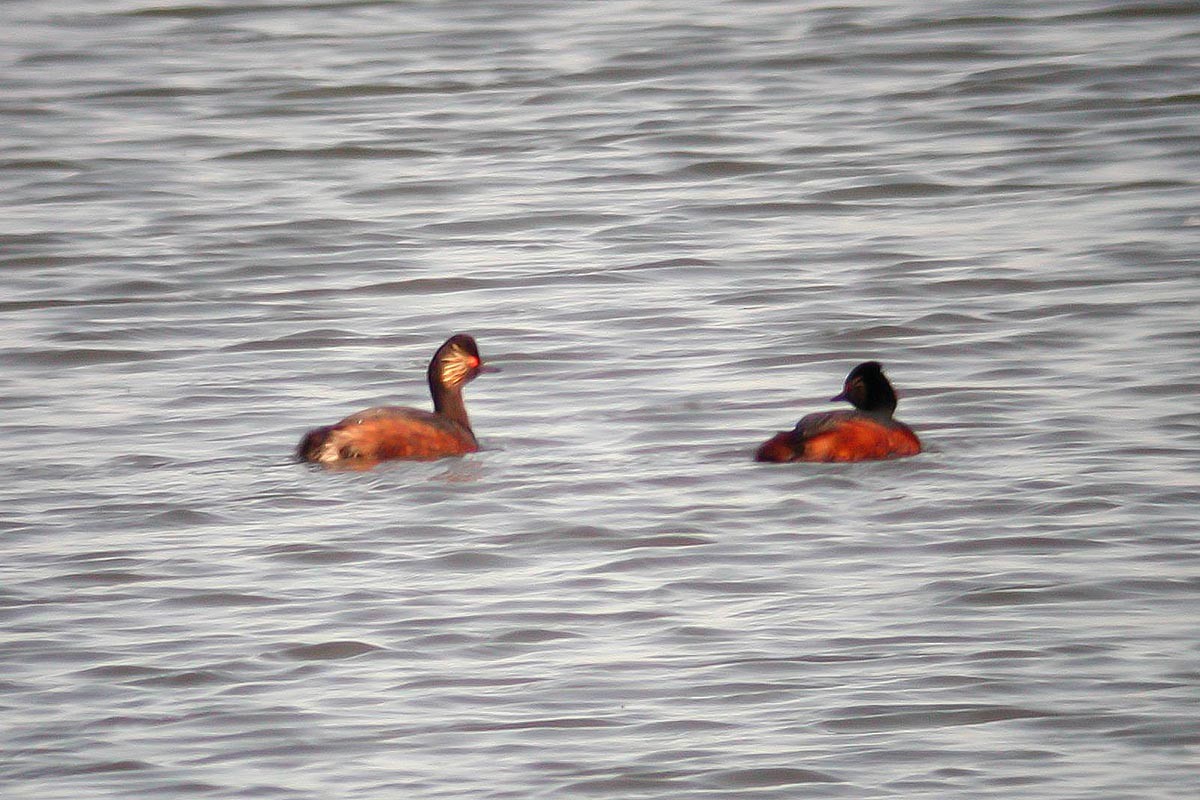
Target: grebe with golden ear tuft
(395, 432)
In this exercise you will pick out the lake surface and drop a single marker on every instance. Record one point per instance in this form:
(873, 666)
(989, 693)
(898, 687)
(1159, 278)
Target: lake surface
(675, 226)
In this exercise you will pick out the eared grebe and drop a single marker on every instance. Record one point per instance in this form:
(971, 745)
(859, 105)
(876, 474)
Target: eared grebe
(865, 434)
(385, 432)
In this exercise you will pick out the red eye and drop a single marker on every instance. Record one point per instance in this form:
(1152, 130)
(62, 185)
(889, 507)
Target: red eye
(473, 361)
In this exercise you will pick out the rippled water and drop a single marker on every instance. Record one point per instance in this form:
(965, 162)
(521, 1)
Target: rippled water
(675, 226)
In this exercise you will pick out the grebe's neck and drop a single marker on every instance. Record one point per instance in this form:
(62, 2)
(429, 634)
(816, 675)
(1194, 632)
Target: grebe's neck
(884, 404)
(448, 401)
(453, 366)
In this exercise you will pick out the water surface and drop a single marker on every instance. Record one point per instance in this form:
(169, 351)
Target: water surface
(676, 226)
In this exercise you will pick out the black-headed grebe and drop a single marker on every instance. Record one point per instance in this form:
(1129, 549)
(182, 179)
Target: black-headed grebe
(386, 432)
(867, 433)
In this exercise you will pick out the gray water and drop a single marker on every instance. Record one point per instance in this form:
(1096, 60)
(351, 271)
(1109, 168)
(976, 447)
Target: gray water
(675, 226)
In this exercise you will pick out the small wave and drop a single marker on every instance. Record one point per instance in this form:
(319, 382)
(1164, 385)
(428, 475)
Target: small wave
(328, 651)
(76, 357)
(893, 718)
(226, 599)
(344, 152)
(728, 169)
(315, 554)
(534, 636)
(1028, 595)
(889, 191)
(770, 776)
